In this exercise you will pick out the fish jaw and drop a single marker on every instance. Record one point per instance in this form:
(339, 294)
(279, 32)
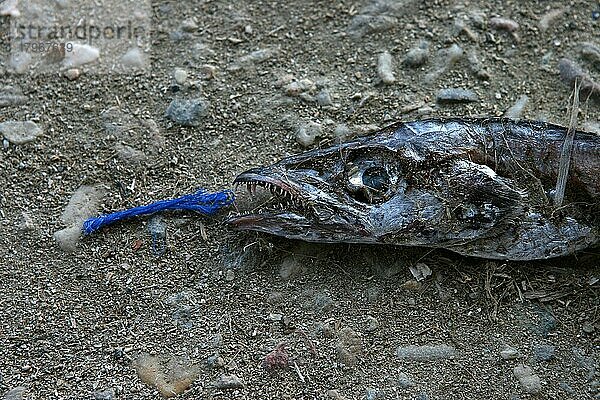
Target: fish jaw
(297, 205)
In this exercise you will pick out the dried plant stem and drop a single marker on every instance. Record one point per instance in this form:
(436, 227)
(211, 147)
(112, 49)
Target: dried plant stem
(567, 150)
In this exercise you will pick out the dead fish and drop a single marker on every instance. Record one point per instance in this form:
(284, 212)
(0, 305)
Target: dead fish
(478, 187)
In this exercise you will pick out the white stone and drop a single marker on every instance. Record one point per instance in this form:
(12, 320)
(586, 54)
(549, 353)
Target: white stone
(385, 68)
(134, 58)
(80, 54)
(180, 75)
(68, 238)
(82, 205)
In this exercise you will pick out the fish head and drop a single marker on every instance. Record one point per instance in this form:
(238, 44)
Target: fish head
(376, 189)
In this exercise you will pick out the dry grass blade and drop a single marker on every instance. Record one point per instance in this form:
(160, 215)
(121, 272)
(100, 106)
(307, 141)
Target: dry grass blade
(567, 149)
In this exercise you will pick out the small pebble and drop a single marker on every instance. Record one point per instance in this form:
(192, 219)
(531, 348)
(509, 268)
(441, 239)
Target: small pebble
(452, 54)
(591, 126)
(417, 56)
(365, 129)
(180, 75)
(426, 353)
(83, 203)
(27, 224)
(321, 302)
(425, 110)
(11, 96)
(516, 110)
(189, 25)
(404, 381)
(108, 394)
(284, 80)
(504, 24)
(566, 388)
(348, 347)
(509, 353)
(229, 275)
(257, 56)
(456, 95)
(543, 352)
(68, 238)
(547, 322)
(385, 69)
(20, 132)
(158, 233)
(80, 54)
(307, 133)
(323, 98)
(134, 58)
(529, 381)
(72, 73)
(420, 271)
(295, 88)
(215, 361)
(229, 382)
(275, 317)
(275, 298)
(207, 71)
(15, 393)
(372, 324)
(188, 112)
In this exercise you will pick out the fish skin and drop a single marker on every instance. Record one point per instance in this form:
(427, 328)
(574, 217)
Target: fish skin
(478, 187)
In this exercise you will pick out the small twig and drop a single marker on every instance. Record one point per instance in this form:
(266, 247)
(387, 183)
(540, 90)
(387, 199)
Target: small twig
(567, 150)
(297, 369)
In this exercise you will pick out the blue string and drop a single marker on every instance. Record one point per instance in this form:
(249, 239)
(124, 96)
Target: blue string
(201, 201)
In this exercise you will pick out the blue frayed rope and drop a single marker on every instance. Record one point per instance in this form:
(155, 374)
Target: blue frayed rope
(201, 201)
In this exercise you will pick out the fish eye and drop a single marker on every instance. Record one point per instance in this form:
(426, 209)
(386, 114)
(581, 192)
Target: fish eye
(369, 184)
(376, 178)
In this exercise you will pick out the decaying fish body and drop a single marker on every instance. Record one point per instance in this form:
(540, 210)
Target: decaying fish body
(479, 187)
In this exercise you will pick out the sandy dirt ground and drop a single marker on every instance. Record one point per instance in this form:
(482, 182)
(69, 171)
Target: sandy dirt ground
(227, 315)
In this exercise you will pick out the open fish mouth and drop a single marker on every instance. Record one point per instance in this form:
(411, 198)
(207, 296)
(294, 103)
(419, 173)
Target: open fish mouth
(266, 202)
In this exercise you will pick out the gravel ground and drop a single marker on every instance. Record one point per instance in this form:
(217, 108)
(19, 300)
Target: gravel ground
(225, 315)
